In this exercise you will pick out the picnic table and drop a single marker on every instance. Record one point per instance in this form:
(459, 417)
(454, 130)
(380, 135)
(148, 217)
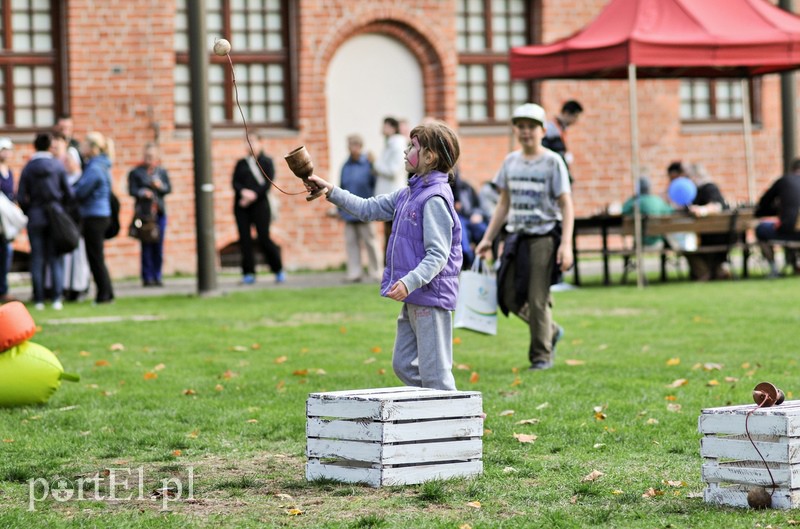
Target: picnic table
(735, 222)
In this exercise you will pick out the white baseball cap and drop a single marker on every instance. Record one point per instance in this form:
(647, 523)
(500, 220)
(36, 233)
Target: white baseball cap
(529, 111)
(6, 143)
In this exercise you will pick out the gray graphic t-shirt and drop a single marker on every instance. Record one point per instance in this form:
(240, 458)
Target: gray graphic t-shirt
(534, 186)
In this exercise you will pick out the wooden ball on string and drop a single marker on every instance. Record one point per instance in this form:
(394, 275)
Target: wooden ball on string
(222, 47)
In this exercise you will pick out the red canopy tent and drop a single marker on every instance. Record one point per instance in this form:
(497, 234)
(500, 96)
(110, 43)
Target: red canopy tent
(669, 39)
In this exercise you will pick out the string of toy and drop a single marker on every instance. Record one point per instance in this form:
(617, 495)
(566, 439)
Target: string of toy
(747, 431)
(247, 132)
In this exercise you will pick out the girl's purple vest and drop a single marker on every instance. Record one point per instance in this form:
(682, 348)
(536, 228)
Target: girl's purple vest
(406, 247)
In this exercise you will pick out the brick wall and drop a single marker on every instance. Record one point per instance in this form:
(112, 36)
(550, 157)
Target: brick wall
(121, 63)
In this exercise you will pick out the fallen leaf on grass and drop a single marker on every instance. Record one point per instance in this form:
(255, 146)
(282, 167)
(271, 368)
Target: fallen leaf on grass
(617, 492)
(8, 440)
(652, 421)
(376, 349)
(238, 348)
(463, 367)
(370, 360)
(591, 476)
(543, 405)
(671, 398)
(193, 434)
(574, 500)
(509, 470)
(674, 408)
(651, 492)
(597, 446)
(300, 372)
(176, 453)
(674, 483)
(116, 347)
(219, 387)
(281, 385)
(252, 421)
(294, 512)
(504, 413)
(102, 363)
(255, 346)
(343, 330)
(474, 504)
(381, 371)
(712, 383)
(673, 361)
(528, 421)
(149, 375)
(227, 375)
(284, 496)
(525, 438)
(474, 377)
(573, 362)
(189, 392)
(516, 382)
(731, 379)
(85, 353)
(281, 359)
(159, 367)
(678, 383)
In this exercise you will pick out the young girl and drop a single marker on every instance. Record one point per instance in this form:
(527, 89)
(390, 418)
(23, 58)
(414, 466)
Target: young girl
(423, 256)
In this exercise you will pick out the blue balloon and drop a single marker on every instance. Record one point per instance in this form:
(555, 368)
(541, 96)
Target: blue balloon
(682, 191)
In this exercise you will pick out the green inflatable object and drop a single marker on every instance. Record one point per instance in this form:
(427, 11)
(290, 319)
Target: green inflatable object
(30, 374)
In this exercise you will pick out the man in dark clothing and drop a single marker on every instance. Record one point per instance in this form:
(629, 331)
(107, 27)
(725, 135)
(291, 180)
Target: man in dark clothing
(707, 265)
(251, 207)
(555, 131)
(43, 181)
(782, 199)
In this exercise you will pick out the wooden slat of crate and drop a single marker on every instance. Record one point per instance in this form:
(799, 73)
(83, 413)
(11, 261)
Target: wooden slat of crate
(728, 448)
(395, 405)
(393, 432)
(751, 473)
(394, 454)
(783, 420)
(390, 476)
(736, 496)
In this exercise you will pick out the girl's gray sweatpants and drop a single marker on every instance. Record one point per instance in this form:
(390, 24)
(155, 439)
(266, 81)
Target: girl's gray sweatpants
(423, 349)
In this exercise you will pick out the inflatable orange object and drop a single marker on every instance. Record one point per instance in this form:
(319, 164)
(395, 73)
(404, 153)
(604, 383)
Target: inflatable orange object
(16, 325)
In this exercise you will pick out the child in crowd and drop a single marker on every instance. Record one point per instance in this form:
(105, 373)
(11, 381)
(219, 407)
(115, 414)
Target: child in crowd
(423, 256)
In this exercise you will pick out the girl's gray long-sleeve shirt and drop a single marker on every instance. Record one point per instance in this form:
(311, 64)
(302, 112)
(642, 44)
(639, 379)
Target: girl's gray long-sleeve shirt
(437, 229)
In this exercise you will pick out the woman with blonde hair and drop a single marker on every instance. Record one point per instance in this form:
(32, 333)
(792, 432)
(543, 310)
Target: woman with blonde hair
(93, 191)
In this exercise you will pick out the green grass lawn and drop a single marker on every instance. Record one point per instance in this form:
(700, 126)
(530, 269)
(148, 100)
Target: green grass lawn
(212, 391)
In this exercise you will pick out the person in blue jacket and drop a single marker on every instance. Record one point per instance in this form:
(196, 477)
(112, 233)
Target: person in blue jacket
(93, 190)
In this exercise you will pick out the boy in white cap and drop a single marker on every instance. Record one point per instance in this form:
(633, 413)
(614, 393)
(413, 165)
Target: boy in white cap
(536, 206)
(7, 188)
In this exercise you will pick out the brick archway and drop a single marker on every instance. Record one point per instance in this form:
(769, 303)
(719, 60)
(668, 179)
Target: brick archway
(435, 70)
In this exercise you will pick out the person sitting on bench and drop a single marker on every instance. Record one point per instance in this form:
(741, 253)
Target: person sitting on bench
(782, 199)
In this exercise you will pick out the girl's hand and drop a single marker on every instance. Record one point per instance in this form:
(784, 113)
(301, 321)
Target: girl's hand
(398, 292)
(483, 248)
(319, 182)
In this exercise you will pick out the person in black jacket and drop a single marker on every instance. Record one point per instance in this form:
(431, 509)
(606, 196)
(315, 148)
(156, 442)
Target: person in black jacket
(44, 181)
(251, 207)
(782, 199)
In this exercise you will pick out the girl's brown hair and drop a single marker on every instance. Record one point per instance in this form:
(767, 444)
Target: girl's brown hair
(439, 139)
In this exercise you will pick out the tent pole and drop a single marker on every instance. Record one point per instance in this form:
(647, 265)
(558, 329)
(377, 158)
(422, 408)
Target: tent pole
(747, 127)
(637, 213)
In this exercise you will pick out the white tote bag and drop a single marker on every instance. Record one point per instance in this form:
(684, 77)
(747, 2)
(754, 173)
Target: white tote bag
(12, 218)
(476, 306)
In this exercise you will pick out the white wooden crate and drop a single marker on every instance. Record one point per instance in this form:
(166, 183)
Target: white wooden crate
(394, 436)
(732, 466)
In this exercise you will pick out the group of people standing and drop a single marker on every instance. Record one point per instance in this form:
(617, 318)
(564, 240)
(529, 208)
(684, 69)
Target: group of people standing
(74, 178)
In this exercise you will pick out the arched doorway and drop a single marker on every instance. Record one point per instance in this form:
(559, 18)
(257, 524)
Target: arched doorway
(370, 76)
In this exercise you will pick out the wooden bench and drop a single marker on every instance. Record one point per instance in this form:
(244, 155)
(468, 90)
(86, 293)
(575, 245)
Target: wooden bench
(734, 223)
